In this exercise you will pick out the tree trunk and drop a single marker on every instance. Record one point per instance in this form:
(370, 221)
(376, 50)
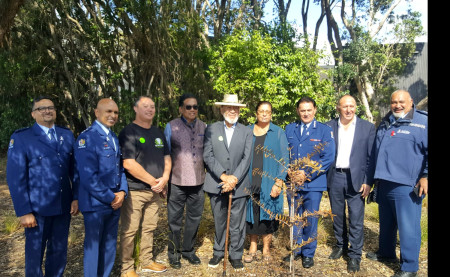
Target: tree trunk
(8, 10)
(362, 86)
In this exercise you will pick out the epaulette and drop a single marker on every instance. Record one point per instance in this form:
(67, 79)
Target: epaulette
(21, 130)
(63, 127)
(87, 129)
(422, 112)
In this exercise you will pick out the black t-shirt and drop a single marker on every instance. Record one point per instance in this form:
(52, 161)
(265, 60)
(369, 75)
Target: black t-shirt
(148, 147)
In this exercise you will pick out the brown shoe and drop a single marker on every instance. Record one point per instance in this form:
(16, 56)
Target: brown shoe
(154, 267)
(130, 273)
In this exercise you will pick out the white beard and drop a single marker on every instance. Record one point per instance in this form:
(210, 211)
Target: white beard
(231, 121)
(398, 115)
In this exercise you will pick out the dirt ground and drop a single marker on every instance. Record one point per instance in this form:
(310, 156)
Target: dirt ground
(12, 247)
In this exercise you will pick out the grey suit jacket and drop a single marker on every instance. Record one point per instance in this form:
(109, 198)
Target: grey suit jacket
(360, 153)
(234, 160)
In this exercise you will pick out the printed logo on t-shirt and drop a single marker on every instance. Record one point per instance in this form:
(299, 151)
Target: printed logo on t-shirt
(159, 143)
(142, 140)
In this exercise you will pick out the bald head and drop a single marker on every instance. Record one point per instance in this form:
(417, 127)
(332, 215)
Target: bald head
(346, 108)
(401, 103)
(107, 112)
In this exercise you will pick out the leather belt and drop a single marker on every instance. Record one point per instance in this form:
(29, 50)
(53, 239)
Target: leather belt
(343, 170)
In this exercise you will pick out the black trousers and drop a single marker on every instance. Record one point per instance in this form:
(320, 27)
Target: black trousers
(179, 197)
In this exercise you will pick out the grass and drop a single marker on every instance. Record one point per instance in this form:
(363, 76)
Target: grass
(10, 223)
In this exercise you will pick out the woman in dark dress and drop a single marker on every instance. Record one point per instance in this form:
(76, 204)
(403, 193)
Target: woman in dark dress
(266, 189)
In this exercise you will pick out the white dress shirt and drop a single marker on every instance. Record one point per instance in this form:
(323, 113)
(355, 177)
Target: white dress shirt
(345, 144)
(229, 132)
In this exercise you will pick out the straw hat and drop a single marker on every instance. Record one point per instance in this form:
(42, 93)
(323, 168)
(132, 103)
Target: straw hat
(230, 100)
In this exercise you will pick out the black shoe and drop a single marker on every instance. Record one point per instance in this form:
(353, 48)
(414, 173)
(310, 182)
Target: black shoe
(193, 259)
(236, 264)
(174, 262)
(336, 253)
(374, 256)
(353, 265)
(307, 262)
(288, 257)
(405, 274)
(214, 262)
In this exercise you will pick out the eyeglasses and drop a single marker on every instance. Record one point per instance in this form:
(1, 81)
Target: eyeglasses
(43, 109)
(188, 107)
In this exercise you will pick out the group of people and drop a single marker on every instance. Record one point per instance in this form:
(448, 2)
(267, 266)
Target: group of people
(242, 169)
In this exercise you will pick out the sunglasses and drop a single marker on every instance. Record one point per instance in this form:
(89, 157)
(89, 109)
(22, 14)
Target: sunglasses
(188, 107)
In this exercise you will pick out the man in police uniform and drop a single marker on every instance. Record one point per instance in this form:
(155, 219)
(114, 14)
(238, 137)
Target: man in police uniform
(303, 136)
(103, 187)
(400, 165)
(43, 185)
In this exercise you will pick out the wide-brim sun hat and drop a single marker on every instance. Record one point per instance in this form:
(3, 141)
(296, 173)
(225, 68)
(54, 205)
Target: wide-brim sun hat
(230, 100)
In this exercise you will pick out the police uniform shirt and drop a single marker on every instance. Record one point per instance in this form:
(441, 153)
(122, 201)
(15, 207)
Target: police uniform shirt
(108, 135)
(304, 127)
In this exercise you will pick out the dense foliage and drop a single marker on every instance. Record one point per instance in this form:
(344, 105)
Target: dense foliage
(80, 51)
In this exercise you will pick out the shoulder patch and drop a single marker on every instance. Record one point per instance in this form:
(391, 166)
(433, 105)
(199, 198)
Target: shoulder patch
(81, 143)
(11, 144)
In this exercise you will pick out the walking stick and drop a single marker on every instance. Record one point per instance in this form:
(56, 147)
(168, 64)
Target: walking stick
(230, 198)
(291, 234)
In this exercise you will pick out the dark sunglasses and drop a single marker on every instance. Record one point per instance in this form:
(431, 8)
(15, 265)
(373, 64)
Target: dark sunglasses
(188, 107)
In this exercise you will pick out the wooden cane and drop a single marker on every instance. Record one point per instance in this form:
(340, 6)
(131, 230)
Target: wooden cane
(230, 198)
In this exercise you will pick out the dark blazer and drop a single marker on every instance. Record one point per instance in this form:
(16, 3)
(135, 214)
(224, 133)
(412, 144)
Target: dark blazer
(41, 178)
(100, 169)
(234, 160)
(360, 153)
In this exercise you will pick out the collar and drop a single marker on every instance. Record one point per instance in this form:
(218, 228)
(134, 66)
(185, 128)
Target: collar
(271, 126)
(300, 123)
(352, 123)
(187, 123)
(226, 127)
(309, 124)
(46, 129)
(406, 118)
(103, 127)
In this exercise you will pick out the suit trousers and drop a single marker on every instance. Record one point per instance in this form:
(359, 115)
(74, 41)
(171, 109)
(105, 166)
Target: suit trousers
(219, 208)
(100, 241)
(179, 197)
(139, 206)
(400, 209)
(340, 192)
(306, 201)
(51, 233)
